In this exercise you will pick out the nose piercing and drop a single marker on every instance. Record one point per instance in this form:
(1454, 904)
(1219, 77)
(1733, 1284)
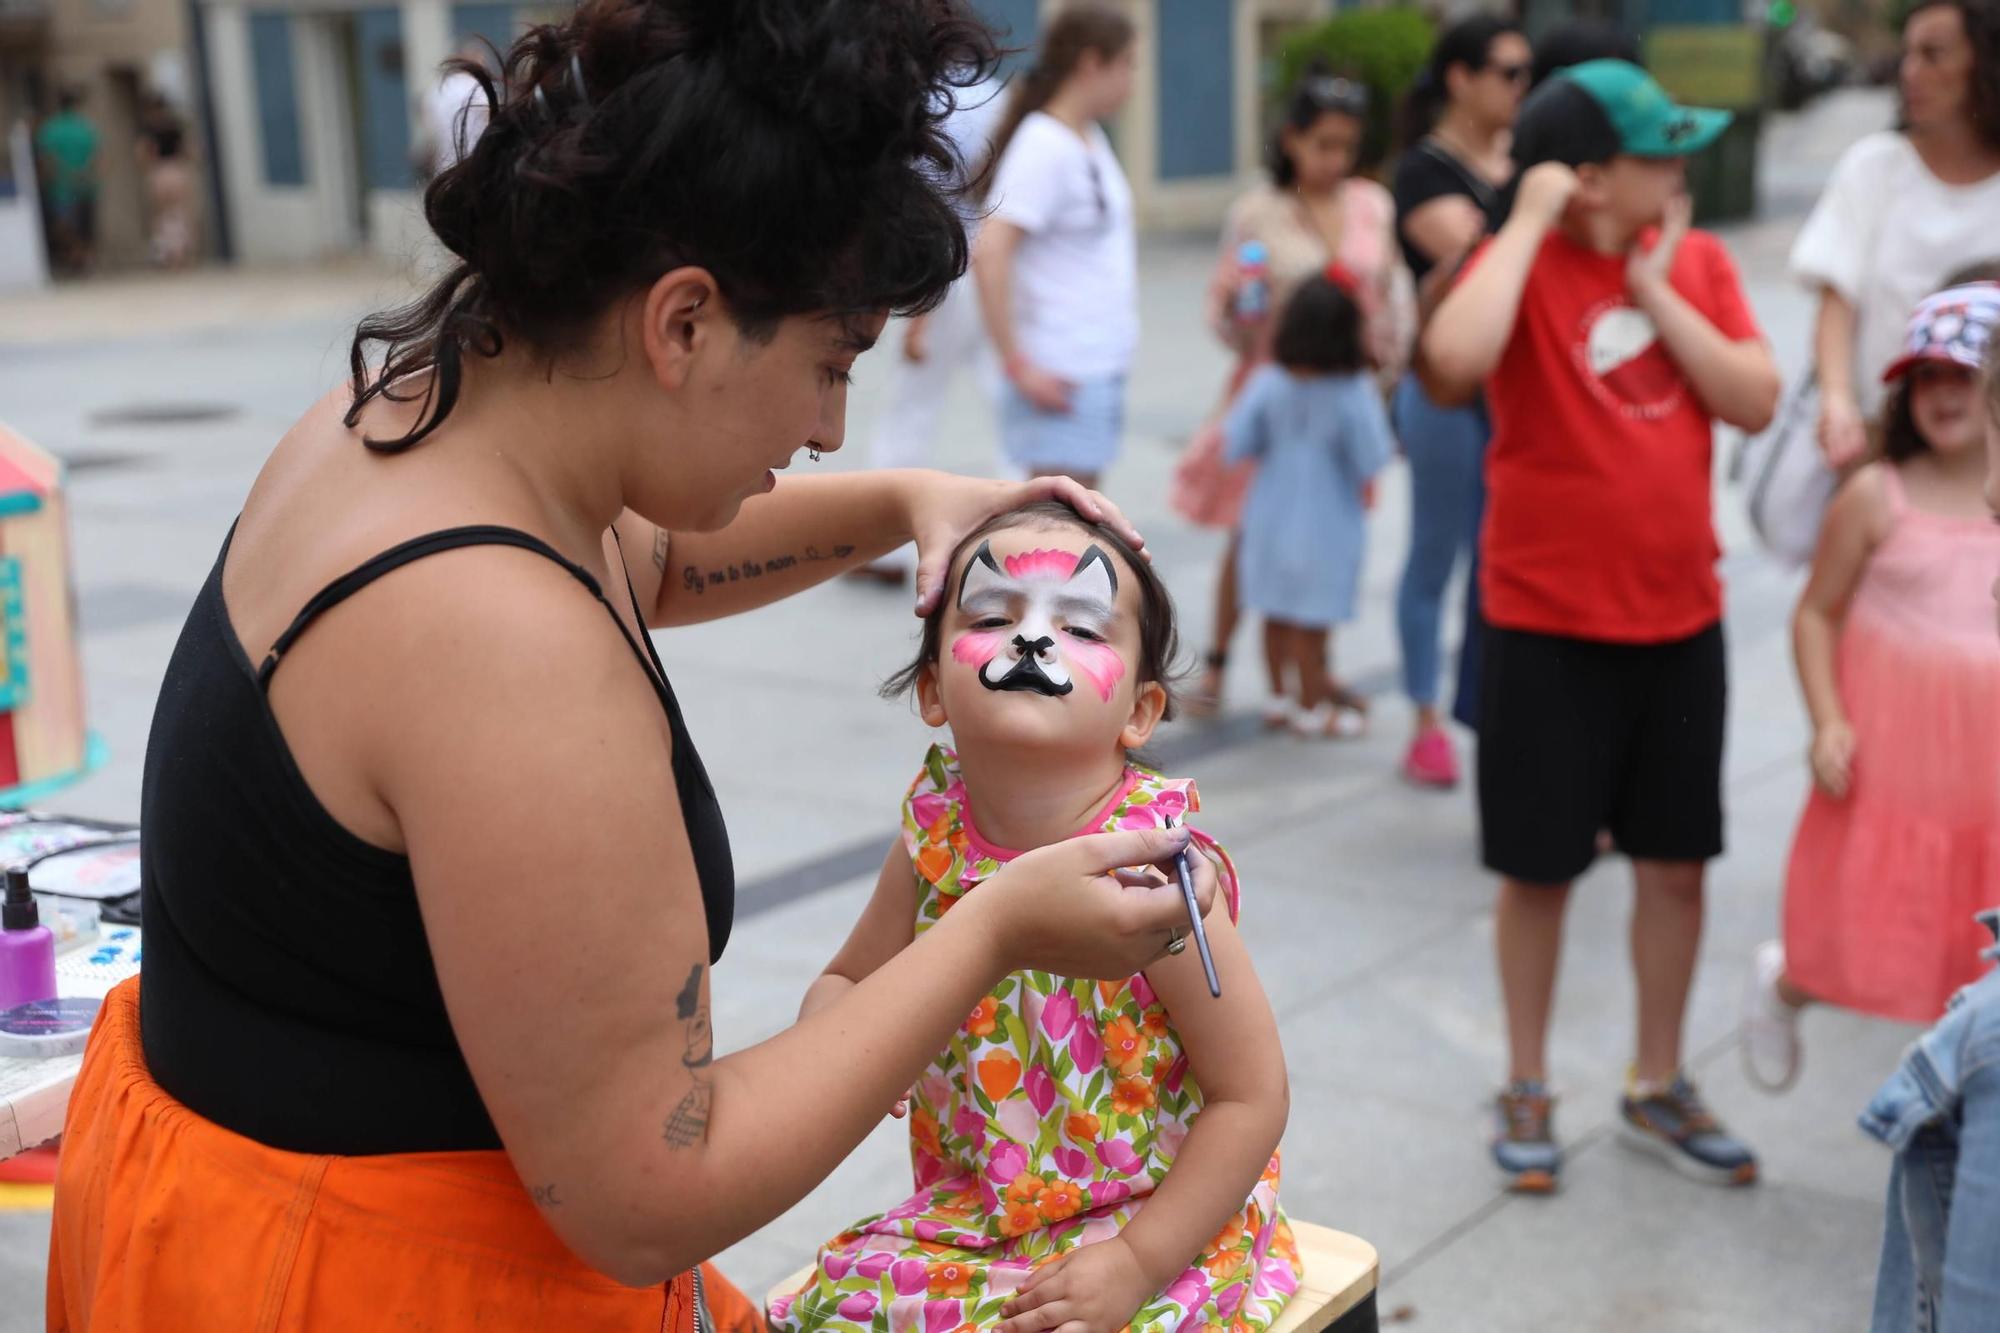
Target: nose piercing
(812, 452)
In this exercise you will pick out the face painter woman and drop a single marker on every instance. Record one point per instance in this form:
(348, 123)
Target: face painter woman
(434, 877)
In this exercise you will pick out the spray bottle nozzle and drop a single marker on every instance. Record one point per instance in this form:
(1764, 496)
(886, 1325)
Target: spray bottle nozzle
(19, 911)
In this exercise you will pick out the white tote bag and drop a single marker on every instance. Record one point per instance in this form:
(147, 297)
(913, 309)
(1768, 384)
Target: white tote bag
(1785, 478)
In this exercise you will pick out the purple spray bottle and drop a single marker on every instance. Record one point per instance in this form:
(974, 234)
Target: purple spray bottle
(27, 947)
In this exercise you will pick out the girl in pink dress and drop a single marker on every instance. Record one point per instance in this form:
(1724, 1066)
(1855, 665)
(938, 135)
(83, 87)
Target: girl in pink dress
(1900, 841)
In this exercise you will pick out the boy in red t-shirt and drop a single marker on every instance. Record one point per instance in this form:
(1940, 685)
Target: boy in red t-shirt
(1608, 338)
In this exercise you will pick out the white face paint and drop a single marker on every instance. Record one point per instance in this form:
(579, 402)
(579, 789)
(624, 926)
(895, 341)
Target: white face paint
(1041, 621)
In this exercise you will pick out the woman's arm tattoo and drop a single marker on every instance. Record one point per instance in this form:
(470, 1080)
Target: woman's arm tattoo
(688, 1125)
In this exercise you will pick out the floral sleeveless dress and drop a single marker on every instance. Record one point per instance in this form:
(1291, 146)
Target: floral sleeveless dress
(1046, 1124)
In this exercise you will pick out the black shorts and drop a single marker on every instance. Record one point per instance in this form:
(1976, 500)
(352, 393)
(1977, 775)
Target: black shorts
(1577, 737)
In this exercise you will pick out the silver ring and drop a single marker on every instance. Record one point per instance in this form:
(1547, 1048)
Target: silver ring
(1176, 943)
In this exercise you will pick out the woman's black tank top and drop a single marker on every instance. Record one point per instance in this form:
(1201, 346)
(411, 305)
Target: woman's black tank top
(288, 991)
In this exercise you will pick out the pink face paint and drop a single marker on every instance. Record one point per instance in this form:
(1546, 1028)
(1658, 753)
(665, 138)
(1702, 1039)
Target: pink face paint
(1056, 565)
(978, 647)
(1036, 606)
(1098, 663)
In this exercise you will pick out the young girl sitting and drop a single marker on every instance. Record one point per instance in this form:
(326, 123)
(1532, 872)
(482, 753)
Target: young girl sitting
(1315, 423)
(1900, 842)
(1096, 1154)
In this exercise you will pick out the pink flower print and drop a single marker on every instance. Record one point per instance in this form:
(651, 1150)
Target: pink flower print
(1171, 803)
(1008, 1161)
(1171, 1135)
(1143, 992)
(1275, 1278)
(873, 1266)
(928, 1229)
(1177, 1073)
(860, 1306)
(968, 1122)
(1073, 1163)
(909, 1277)
(1018, 1120)
(942, 1316)
(837, 1265)
(934, 1091)
(1059, 1016)
(1117, 1154)
(989, 1197)
(781, 1307)
(1086, 1049)
(1106, 1193)
(1141, 818)
(1041, 1089)
(927, 1171)
(927, 808)
(1190, 1290)
(1228, 1302)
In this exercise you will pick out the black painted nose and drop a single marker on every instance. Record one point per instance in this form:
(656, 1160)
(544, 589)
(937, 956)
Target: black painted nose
(1033, 648)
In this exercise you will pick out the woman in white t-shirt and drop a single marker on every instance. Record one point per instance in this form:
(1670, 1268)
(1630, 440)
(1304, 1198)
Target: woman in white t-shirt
(1057, 259)
(1904, 208)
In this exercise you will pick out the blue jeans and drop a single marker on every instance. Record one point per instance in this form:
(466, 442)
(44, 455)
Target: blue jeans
(1941, 1113)
(1447, 452)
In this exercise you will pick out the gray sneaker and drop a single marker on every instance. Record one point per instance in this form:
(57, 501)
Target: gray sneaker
(1674, 1125)
(1524, 1143)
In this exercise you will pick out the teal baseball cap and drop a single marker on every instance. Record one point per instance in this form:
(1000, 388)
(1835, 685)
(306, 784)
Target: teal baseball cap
(1594, 111)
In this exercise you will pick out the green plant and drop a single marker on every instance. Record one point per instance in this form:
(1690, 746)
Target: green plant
(1383, 48)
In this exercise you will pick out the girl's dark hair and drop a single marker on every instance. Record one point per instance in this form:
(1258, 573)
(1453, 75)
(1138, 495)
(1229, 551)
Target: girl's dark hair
(791, 147)
(1982, 29)
(1078, 29)
(1159, 632)
(1469, 42)
(1319, 92)
(1320, 331)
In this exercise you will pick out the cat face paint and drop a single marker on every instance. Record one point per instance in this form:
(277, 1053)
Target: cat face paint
(1041, 621)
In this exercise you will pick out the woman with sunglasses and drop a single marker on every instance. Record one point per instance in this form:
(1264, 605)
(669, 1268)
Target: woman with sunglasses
(1315, 211)
(1057, 259)
(1448, 194)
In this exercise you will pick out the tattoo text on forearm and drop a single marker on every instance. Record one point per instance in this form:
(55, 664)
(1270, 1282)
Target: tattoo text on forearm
(688, 1125)
(698, 580)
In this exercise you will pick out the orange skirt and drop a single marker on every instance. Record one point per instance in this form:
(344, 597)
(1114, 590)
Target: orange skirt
(164, 1220)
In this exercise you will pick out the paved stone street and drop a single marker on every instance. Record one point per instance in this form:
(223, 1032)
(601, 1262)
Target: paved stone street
(1364, 902)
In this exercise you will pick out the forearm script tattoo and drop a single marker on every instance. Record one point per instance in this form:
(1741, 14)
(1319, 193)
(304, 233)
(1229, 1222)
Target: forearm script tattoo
(698, 580)
(688, 1125)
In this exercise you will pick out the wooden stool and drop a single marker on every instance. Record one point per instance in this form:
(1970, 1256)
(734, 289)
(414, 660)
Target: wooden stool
(1337, 1294)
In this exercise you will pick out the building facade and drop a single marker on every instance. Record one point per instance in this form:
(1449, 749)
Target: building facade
(317, 108)
(115, 53)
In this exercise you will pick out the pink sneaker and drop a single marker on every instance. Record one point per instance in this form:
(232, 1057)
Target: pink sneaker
(1431, 761)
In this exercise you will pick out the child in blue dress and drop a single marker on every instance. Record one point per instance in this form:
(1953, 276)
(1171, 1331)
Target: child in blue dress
(1314, 422)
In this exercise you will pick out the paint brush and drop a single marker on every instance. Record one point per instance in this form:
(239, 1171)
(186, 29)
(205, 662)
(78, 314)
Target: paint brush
(1194, 915)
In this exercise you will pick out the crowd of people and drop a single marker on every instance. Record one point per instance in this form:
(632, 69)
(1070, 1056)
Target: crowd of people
(1555, 346)
(347, 886)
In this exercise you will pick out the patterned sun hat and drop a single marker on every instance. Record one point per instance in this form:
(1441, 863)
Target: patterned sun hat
(1955, 325)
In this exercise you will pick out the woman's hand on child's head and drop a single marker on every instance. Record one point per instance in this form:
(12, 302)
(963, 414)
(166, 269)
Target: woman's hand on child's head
(1092, 1289)
(1546, 189)
(1101, 907)
(1833, 758)
(1648, 270)
(943, 509)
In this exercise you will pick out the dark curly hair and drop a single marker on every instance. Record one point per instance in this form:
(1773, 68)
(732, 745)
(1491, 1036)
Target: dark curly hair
(1159, 631)
(1982, 30)
(793, 148)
